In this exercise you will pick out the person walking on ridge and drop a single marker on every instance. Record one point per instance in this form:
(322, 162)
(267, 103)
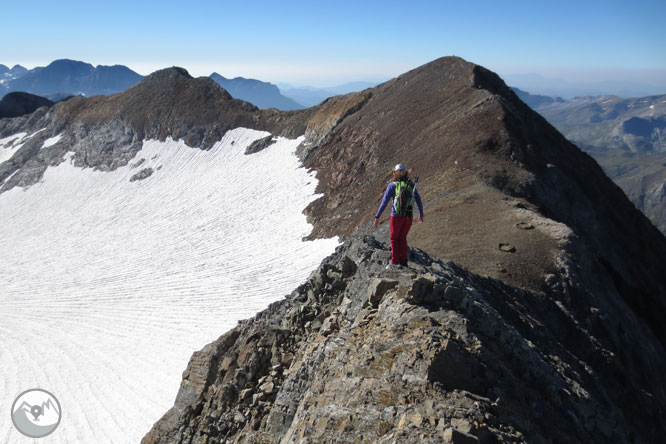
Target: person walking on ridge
(402, 191)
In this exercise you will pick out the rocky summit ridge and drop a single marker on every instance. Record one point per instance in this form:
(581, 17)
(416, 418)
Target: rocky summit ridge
(428, 354)
(493, 173)
(533, 311)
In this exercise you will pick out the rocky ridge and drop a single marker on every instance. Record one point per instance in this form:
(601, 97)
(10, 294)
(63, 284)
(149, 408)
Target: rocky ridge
(429, 354)
(489, 166)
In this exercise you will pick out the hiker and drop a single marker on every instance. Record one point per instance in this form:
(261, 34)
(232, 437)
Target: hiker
(402, 191)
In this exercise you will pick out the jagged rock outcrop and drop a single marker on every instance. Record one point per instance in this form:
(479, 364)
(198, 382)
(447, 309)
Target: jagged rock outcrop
(428, 354)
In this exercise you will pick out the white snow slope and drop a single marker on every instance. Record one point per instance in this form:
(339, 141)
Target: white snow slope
(107, 286)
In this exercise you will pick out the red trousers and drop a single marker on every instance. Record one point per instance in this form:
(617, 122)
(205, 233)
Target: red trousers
(400, 226)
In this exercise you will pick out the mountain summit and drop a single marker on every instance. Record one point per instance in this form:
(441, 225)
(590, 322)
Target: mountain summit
(532, 311)
(483, 157)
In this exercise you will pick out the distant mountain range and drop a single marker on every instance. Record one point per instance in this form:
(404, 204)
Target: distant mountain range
(7, 73)
(262, 94)
(536, 100)
(311, 96)
(63, 78)
(610, 122)
(72, 78)
(555, 87)
(627, 137)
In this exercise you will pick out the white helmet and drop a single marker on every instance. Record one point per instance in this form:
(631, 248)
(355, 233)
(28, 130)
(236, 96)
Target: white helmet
(399, 167)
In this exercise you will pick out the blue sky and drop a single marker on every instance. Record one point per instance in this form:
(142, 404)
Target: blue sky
(328, 42)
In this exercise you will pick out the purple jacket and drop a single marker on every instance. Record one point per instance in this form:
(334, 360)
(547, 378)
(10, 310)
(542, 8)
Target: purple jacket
(390, 194)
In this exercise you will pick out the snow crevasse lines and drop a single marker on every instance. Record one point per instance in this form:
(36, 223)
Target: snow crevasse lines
(108, 286)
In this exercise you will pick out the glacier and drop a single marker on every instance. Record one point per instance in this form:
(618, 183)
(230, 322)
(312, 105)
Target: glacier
(108, 285)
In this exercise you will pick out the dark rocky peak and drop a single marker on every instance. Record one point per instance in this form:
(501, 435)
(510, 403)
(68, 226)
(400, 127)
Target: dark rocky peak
(171, 103)
(167, 103)
(168, 73)
(174, 82)
(3, 69)
(17, 104)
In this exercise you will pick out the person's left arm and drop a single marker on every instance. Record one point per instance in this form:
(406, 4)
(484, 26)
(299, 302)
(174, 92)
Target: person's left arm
(419, 203)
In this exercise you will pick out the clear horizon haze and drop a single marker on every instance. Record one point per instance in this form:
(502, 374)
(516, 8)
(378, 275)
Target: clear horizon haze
(608, 45)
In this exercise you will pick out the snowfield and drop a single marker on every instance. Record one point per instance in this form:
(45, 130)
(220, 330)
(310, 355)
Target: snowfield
(51, 141)
(108, 285)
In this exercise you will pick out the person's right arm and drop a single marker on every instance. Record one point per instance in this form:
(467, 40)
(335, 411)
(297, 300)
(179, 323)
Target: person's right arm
(388, 196)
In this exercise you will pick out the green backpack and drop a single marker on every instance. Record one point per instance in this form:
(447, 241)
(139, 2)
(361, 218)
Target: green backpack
(402, 202)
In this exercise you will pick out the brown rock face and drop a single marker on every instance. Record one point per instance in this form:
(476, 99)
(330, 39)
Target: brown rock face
(487, 165)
